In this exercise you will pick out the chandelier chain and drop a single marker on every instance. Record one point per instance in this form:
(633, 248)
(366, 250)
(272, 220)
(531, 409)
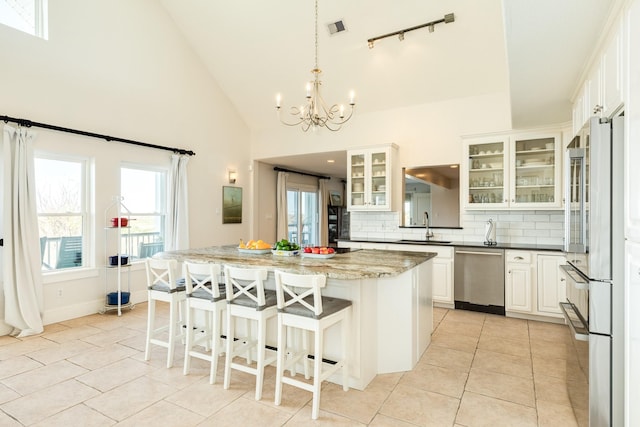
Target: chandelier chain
(316, 34)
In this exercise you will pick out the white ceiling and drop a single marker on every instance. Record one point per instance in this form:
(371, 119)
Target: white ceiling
(255, 49)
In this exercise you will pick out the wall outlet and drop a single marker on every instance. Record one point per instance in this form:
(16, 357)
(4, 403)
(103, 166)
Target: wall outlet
(59, 292)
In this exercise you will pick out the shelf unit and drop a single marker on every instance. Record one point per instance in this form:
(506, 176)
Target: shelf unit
(118, 270)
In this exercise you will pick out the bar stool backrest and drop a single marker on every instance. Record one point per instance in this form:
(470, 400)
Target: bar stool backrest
(308, 293)
(161, 274)
(201, 279)
(241, 281)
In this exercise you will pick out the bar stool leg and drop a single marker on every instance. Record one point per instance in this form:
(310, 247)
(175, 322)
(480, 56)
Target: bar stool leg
(173, 325)
(214, 328)
(280, 354)
(317, 372)
(151, 315)
(189, 343)
(260, 353)
(230, 354)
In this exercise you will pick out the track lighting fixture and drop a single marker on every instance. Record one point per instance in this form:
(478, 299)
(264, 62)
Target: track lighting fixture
(448, 18)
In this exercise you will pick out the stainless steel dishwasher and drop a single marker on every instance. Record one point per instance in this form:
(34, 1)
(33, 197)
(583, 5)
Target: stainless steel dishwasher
(479, 279)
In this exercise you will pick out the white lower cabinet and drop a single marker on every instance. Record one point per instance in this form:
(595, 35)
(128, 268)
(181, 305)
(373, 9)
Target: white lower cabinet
(518, 281)
(551, 285)
(533, 283)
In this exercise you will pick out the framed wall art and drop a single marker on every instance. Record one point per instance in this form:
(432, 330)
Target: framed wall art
(231, 205)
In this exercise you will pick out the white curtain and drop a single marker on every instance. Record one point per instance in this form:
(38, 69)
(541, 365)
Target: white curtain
(22, 275)
(178, 215)
(282, 226)
(323, 202)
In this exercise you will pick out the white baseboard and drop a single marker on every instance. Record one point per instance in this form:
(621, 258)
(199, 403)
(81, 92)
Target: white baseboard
(85, 308)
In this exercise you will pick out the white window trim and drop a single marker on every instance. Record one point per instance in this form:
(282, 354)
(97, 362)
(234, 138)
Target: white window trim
(88, 214)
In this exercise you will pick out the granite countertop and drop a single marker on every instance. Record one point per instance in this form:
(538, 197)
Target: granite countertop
(357, 264)
(499, 245)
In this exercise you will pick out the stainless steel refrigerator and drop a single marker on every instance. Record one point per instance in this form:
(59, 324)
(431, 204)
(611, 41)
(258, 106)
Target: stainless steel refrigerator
(594, 243)
(338, 221)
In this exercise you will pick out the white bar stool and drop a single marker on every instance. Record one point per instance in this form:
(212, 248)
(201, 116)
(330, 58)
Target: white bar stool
(162, 286)
(204, 293)
(247, 299)
(308, 310)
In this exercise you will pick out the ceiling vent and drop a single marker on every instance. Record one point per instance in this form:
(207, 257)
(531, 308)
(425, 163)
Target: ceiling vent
(336, 27)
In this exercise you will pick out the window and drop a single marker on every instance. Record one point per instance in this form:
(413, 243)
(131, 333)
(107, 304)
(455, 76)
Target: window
(302, 207)
(61, 202)
(29, 16)
(144, 192)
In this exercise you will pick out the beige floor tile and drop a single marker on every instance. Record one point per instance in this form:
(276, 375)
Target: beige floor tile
(53, 328)
(385, 421)
(7, 421)
(558, 368)
(79, 415)
(552, 349)
(206, 399)
(551, 389)
(21, 347)
(247, 412)
(448, 358)
(111, 376)
(76, 333)
(486, 360)
(553, 414)
(437, 379)
(357, 405)
(456, 342)
(6, 394)
(506, 387)
(325, 418)
(162, 414)
(420, 407)
(48, 401)
(465, 316)
(511, 322)
(110, 337)
(130, 398)
(43, 377)
(60, 351)
(506, 346)
(385, 381)
(454, 327)
(17, 365)
(482, 411)
(293, 398)
(508, 332)
(83, 321)
(99, 357)
(8, 339)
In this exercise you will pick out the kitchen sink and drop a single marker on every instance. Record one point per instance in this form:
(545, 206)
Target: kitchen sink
(426, 242)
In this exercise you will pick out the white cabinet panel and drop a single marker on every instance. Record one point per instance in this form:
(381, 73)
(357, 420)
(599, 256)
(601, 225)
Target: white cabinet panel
(518, 281)
(369, 182)
(551, 284)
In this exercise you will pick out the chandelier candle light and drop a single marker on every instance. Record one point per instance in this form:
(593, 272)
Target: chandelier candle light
(316, 113)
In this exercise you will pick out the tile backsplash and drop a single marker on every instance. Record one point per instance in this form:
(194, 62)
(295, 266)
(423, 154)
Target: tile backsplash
(528, 227)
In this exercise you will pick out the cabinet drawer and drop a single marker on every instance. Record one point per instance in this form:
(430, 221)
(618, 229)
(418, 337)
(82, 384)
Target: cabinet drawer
(517, 257)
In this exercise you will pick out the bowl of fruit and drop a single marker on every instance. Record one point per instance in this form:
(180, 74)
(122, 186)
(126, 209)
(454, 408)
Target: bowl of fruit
(285, 248)
(318, 252)
(254, 247)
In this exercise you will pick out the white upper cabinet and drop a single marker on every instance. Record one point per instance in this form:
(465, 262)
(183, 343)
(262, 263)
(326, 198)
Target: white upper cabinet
(369, 181)
(513, 171)
(602, 90)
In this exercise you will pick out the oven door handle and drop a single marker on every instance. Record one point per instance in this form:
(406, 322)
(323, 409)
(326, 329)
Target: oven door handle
(575, 278)
(574, 320)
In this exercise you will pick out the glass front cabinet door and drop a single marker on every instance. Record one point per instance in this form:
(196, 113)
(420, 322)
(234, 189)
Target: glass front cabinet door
(369, 180)
(485, 173)
(536, 169)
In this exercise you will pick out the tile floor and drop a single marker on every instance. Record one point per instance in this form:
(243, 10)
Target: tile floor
(479, 370)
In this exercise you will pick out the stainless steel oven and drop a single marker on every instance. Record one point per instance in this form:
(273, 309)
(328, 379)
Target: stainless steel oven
(593, 242)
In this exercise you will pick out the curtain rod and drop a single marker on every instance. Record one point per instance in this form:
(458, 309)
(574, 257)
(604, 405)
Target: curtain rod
(279, 169)
(29, 123)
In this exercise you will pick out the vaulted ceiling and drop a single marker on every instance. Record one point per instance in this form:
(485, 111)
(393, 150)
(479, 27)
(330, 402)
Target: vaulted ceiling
(534, 50)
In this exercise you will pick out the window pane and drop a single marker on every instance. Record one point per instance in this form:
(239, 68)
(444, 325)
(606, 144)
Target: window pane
(309, 218)
(144, 192)
(29, 16)
(292, 214)
(141, 190)
(60, 206)
(58, 186)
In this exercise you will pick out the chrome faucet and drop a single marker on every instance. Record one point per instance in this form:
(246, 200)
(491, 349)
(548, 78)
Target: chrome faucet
(429, 233)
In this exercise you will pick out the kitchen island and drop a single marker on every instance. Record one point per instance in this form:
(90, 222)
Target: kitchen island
(391, 294)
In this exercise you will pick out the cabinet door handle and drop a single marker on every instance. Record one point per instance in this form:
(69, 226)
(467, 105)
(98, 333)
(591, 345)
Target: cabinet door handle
(519, 258)
(562, 279)
(513, 200)
(509, 271)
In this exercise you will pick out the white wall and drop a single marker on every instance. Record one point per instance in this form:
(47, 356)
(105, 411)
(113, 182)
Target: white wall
(120, 68)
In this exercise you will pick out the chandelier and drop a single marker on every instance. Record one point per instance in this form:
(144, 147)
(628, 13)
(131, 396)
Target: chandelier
(316, 113)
